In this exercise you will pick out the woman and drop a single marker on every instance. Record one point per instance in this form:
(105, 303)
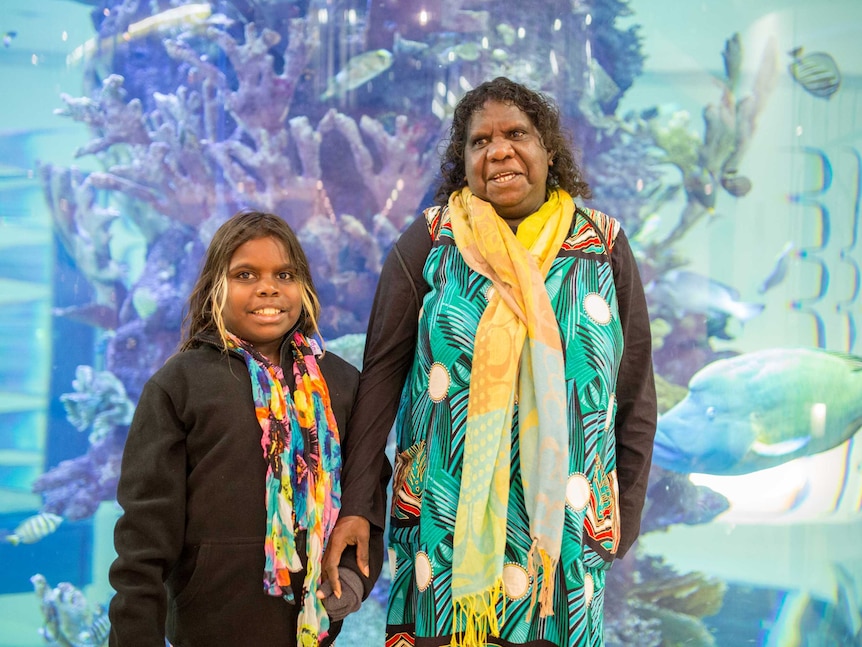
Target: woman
(513, 326)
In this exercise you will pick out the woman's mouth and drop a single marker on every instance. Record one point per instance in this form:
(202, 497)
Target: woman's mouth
(502, 178)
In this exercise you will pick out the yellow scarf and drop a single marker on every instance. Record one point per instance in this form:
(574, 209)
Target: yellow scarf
(517, 346)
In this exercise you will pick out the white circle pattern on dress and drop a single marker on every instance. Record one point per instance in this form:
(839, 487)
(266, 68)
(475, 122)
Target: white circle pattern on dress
(597, 308)
(424, 573)
(577, 492)
(438, 382)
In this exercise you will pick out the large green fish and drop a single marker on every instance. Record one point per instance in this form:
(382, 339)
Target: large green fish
(762, 409)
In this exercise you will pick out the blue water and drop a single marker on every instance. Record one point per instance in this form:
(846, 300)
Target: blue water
(763, 208)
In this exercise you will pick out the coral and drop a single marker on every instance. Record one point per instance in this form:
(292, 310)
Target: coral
(99, 401)
(648, 603)
(68, 617)
(74, 488)
(668, 394)
(712, 161)
(234, 112)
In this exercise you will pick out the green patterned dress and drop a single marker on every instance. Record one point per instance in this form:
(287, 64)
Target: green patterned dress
(430, 446)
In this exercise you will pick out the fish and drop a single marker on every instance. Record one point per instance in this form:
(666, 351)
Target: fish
(679, 291)
(405, 47)
(98, 633)
(7, 38)
(673, 498)
(761, 409)
(359, 70)
(817, 73)
(173, 19)
(736, 185)
(648, 230)
(506, 32)
(779, 269)
(35, 528)
(823, 487)
(465, 51)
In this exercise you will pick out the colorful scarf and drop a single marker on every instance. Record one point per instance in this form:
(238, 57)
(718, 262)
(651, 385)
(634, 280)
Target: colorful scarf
(517, 357)
(302, 449)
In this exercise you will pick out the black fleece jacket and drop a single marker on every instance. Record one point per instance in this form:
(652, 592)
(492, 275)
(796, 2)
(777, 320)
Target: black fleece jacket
(190, 542)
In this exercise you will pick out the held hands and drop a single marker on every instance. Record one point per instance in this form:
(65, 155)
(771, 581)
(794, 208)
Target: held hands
(348, 531)
(338, 608)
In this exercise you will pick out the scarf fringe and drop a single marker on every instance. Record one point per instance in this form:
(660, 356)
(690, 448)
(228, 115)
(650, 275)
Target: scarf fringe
(475, 617)
(308, 637)
(546, 594)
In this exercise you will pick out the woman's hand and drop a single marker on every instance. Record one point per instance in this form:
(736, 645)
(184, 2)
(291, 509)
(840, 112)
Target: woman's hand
(349, 531)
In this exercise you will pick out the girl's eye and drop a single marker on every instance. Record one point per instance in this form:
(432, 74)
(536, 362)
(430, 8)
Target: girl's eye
(285, 276)
(243, 275)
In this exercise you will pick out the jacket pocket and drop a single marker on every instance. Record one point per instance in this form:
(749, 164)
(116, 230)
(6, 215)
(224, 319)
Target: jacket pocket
(188, 576)
(223, 601)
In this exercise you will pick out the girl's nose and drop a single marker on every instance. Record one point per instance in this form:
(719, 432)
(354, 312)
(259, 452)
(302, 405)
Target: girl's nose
(267, 288)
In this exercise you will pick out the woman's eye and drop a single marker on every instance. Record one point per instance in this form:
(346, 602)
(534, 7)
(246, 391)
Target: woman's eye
(243, 275)
(285, 276)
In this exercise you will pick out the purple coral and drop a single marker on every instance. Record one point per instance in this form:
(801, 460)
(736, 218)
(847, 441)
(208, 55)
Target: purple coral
(75, 488)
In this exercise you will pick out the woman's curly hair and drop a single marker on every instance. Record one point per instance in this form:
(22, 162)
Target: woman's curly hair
(545, 117)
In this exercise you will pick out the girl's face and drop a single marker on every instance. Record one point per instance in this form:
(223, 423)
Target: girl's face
(264, 299)
(505, 161)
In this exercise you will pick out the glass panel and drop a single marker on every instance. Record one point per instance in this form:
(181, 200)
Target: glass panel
(724, 135)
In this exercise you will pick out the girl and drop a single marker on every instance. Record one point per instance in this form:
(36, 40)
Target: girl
(230, 480)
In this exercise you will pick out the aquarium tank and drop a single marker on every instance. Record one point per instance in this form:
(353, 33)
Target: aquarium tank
(726, 136)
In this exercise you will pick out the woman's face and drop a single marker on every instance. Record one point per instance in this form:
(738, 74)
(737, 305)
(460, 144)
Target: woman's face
(264, 299)
(506, 161)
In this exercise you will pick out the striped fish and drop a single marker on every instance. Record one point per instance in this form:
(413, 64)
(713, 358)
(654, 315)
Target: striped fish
(34, 528)
(816, 72)
(98, 632)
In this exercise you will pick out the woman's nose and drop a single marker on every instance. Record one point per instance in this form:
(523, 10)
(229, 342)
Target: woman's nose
(499, 149)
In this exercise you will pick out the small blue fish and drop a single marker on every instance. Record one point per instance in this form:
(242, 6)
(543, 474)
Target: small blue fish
(779, 270)
(678, 292)
(34, 528)
(760, 410)
(817, 73)
(7, 38)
